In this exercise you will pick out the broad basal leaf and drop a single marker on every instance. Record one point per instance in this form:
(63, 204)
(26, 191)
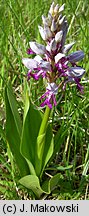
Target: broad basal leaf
(32, 182)
(13, 130)
(31, 127)
(45, 146)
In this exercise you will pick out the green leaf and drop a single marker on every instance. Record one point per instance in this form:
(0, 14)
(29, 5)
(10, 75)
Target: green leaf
(36, 149)
(48, 148)
(41, 142)
(85, 169)
(26, 102)
(32, 182)
(13, 130)
(54, 181)
(30, 131)
(14, 109)
(45, 145)
(50, 184)
(39, 153)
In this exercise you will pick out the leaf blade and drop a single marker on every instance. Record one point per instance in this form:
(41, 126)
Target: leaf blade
(30, 131)
(13, 136)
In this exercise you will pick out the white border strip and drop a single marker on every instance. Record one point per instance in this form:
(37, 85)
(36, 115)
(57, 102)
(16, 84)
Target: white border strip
(44, 207)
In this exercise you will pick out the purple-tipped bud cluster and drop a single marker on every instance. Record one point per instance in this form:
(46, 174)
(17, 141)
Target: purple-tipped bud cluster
(52, 60)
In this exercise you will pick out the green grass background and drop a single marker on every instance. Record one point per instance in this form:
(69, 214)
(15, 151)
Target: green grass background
(19, 21)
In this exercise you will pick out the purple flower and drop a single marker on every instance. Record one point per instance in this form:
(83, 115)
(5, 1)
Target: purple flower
(38, 65)
(75, 72)
(52, 60)
(51, 91)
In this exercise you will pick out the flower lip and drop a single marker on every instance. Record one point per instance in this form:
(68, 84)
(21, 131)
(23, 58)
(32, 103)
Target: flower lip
(53, 88)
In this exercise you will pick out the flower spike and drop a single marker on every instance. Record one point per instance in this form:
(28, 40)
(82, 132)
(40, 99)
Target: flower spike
(52, 60)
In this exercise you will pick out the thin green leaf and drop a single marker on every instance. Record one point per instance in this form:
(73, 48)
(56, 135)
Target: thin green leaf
(48, 148)
(13, 107)
(26, 101)
(61, 168)
(86, 167)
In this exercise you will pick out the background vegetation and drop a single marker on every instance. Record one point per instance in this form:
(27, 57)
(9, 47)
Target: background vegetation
(19, 21)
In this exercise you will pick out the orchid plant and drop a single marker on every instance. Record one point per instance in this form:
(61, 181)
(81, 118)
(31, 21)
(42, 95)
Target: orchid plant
(33, 143)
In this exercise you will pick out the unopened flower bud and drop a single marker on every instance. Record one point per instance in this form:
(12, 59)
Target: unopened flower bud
(49, 19)
(61, 8)
(76, 56)
(67, 47)
(53, 45)
(48, 32)
(53, 26)
(58, 36)
(37, 48)
(51, 10)
(56, 8)
(61, 20)
(44, 19)
(42, 33)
